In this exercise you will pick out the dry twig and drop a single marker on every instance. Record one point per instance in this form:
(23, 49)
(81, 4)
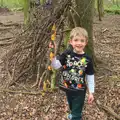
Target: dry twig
(108, 109)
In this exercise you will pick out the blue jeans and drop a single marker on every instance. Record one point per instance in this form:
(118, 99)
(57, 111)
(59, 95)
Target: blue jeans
(76, 103)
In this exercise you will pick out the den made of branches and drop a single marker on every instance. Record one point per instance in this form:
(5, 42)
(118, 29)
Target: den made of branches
(28, 60)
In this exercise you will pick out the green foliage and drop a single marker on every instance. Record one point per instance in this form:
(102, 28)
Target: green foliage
(12, 4)
(112, 9)
(42, 1)
(110, 6)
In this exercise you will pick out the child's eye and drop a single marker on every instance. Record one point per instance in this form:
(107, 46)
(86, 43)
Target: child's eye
(82, 40)
(76, 40)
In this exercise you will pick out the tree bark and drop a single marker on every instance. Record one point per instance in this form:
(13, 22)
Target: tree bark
(113, 1)
(117, 3)
(85, 9)
(26, 11)
(100, 9)
(1, 3)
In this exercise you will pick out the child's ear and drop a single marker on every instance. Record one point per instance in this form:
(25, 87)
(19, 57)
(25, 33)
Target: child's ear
(69, 41)
(86, 42)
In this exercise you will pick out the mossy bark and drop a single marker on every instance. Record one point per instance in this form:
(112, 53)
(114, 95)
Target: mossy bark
(1, 3)
(53, 79)
(85, 9)
(26, 11)
(100, 8)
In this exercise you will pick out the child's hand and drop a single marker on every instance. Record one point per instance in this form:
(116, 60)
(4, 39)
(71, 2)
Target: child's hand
(90, 98)
(51, 45)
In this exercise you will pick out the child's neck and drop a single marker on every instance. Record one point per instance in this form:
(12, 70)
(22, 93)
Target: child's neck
(82, 52)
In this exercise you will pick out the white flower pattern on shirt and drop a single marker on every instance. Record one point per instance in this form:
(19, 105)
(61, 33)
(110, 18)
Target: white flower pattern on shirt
(73, 74)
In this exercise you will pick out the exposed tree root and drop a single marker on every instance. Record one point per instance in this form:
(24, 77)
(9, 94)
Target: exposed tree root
(108, 109)
(9, 24)
(8, 38)
(5, 28)
(41, 92)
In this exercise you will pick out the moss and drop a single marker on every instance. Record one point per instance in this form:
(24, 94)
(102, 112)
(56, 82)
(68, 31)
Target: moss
(112, 11)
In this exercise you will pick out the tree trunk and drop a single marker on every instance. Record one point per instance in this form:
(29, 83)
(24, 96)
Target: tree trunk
(85, 9)
(113, 1)
(117, 3)
(100, 9)
(26, 11)
(1, 3)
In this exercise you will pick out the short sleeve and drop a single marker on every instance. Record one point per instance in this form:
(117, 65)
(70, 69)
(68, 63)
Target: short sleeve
(89, 68)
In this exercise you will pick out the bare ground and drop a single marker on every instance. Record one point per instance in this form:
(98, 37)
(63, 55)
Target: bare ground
(51, 106)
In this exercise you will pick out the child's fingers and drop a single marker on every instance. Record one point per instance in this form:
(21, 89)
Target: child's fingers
(90, 99)
(51, 45)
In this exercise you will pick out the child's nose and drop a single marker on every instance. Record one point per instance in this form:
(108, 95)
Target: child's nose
(79, 42)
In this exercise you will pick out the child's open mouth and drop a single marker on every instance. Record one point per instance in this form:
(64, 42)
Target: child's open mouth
(78, 47)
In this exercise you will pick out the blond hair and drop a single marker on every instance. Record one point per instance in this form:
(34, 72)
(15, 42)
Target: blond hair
(78, 31)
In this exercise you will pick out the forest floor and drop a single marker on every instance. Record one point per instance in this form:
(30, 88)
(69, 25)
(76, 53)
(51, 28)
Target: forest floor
(52, 106)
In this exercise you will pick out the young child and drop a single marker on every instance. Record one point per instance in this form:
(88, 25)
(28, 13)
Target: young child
(77, 72)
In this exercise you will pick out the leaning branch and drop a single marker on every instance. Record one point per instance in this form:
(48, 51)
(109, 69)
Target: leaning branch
(108, 109)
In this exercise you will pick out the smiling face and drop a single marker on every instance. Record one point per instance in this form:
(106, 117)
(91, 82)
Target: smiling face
(78, 43)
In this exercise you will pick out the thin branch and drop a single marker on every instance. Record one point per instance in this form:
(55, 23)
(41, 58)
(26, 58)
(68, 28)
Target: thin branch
(74, 21)
(75, 11)
(41, 78)
(38, 76)
(108, 109)
(26, 70)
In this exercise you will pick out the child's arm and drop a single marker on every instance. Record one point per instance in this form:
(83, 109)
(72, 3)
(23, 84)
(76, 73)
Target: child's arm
(91, 83)
(55, 63)
(91, 87)
(90, 80)
(60, 60)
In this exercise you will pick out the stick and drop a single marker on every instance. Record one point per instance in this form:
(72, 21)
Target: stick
(30, 93)
(38, 76)
(108, 109)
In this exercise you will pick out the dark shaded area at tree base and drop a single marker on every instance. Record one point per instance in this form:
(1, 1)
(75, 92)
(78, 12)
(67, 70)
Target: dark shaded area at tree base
(4, 10)
(113, 11)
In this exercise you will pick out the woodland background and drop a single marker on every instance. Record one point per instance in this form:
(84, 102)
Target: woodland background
(28, 90)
